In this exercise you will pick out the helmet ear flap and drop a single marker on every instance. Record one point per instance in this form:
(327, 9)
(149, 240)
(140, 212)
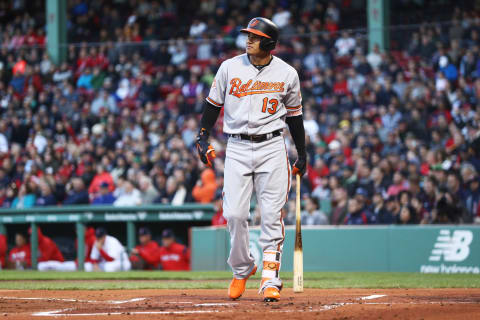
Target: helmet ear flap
(267, 44)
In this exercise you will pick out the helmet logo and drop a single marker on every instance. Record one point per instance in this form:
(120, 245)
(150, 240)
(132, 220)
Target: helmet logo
(253, 23)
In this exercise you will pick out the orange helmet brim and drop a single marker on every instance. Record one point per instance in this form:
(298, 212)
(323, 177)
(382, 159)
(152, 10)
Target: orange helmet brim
(255, 31)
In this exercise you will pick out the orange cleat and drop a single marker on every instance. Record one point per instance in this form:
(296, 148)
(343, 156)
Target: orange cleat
(271, 294)
(237, 286)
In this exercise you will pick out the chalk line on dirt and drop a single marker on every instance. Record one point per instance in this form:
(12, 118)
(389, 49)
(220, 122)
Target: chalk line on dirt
(373, 296)
(214, 304)
(75, 300)
(56, 313)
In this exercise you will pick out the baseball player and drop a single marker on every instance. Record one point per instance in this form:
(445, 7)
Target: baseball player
(259, 93)
(146, 255)
(50, 258)
(20, 256)
(3, 251)
(174, 256)
(108, 254)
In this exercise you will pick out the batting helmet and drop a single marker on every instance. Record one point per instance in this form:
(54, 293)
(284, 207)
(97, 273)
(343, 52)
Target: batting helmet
(266, 29)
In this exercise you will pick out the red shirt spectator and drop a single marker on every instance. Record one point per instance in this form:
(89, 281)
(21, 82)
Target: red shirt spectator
(19, 67)
(218, 219)
(48, 249)
(340, 87)
(173, 256)
(3, 250)
(20, 256)
(101, 176)
(331, 26)
(40, 37)
(314, 174)
(146, 255)
(399, 184)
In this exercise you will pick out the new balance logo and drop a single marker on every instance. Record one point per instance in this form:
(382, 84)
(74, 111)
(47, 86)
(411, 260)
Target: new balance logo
(452, 248)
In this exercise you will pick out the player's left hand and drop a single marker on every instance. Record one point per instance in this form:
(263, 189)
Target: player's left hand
(205, 150)
(300, 166)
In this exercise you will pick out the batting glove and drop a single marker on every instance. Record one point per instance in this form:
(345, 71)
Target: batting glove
(300, 166)
(205, 150)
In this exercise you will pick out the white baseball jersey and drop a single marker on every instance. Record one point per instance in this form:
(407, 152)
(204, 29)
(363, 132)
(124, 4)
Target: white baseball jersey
(255, 101)
(112, 247)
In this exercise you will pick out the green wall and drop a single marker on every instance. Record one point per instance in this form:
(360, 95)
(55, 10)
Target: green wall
(447, 249)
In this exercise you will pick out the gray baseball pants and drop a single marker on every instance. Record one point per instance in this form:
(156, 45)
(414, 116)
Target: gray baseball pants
(262, 167)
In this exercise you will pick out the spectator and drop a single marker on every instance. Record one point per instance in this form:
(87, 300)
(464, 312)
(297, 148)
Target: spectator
(147, 190)
(101, 177)
(104, 197)
(379, 181)
(192, 88)
(173, 256)
(448, 69)
(472, 198)
(374, 58)
(46, 198)
(340, 206)
(345, 44)
(382, 215)
(399, 184)
(25, 198)
(421, 214)
(108, 254)
(77, 193)
(205, 189)
(85, 80)
(10, 195)
(146, 255)
(197, 28)
(312, 215)
(318, 58)
(130, 196)
(20, 256)
(104, 101)
(332, 12)
(357, 214)
(393, 207)
(446, 209)
(3, 144)
(281, 17)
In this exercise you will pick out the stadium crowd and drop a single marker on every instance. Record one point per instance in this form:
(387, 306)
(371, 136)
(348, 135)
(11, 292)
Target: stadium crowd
(392, 137)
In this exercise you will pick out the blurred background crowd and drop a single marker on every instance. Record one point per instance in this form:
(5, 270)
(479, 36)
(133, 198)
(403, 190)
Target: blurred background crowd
(392, 137)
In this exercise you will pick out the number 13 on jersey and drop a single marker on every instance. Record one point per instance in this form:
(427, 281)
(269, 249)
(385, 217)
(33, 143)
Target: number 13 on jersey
(273, 105)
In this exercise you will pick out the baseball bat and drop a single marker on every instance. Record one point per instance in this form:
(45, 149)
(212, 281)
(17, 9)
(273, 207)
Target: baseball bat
(298, 253)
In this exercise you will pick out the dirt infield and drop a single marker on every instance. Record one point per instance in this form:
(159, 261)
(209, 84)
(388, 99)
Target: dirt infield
(213, 304)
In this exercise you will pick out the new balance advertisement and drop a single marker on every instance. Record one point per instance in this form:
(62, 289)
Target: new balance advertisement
(452, 253)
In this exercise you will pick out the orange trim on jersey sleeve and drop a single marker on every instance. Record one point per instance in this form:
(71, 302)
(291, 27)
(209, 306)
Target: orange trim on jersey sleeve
(214, 102)
(294, 113)
(294, 108)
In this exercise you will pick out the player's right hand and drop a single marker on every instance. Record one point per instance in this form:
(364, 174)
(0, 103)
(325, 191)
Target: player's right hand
(205, 150)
